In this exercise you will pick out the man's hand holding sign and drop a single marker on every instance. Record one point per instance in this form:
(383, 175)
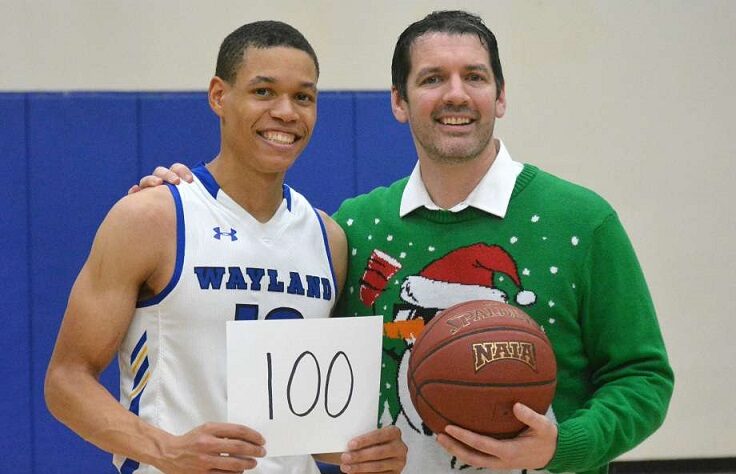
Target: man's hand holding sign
(311, 386)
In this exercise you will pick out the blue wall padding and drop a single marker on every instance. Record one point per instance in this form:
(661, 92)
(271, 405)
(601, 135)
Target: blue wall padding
(82, 154)
(66, 158)
(325, 173)
(176, 128)
(384, 147)
(15, 337)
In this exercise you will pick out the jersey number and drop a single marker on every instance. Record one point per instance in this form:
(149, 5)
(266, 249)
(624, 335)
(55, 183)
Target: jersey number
(249, 312)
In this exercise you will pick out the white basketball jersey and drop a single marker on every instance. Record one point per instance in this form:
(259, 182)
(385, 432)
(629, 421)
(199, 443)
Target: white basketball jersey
(228, 266)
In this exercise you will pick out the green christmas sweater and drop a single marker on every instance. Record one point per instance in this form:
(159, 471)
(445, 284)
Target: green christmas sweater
(561, 255)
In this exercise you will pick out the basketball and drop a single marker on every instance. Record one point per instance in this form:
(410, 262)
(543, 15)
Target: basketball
(473, 361)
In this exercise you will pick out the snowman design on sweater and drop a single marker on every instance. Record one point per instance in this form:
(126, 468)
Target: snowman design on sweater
(463, 274)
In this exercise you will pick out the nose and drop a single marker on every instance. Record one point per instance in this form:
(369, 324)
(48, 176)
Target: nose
(283, 109)
(456, 93)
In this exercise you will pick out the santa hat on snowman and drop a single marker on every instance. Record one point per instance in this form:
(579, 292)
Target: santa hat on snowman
(464, 274)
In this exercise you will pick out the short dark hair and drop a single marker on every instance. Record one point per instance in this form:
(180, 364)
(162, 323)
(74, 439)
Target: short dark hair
(456, 22)
(259, 34)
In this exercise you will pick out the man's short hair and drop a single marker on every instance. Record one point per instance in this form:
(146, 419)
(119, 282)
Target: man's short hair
(454, 22)
(259, 34)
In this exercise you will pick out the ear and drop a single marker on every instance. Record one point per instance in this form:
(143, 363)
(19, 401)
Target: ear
(399, 106)
(501, 103)
(215, 94)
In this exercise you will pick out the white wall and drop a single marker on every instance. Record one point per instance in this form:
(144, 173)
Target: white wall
(631, 98)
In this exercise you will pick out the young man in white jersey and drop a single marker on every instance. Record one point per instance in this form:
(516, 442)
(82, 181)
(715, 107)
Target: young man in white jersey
(169, 266)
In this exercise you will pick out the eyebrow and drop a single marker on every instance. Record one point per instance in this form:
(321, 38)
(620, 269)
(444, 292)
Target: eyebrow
(436, 69)
(258, 79)
(271, 80)
(428, 70)
(477, 67)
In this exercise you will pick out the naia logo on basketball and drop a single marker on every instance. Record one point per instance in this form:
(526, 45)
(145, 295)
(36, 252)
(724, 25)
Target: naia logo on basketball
(487, 352)
(219, 234)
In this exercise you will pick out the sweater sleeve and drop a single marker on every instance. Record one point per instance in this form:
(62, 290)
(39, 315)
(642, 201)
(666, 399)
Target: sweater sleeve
(629, 373)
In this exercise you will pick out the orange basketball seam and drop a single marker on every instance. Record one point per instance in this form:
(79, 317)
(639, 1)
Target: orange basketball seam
(419, 394)
(453, 422)
(485, 384)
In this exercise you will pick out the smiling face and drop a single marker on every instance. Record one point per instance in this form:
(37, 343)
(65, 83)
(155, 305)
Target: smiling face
(268, 114)
(452, 101)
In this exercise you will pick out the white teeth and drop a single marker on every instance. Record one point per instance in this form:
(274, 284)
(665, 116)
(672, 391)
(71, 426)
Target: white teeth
(455, 120)
(279, 137)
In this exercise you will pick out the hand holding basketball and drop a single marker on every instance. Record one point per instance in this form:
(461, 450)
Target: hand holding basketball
(532, 449)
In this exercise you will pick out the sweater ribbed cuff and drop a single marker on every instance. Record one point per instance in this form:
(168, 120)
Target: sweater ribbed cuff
(573, 445)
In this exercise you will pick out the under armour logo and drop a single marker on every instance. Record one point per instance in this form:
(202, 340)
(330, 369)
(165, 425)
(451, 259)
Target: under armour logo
(218, 234)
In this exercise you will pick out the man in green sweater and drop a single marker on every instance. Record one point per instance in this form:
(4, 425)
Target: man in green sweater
(472, 223)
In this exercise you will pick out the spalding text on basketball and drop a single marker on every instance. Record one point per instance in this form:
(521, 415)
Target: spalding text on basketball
(466, 319)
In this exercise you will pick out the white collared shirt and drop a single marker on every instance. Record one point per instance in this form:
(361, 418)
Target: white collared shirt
(491, 195)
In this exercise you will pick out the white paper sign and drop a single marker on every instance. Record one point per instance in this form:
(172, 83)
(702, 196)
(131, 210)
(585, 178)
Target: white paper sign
(307, 385)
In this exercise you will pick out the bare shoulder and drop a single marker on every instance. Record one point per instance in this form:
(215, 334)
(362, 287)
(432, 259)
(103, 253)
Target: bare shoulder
(147, 209)
(138, 235)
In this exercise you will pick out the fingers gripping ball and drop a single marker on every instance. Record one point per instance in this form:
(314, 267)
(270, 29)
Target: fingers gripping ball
(473, 361)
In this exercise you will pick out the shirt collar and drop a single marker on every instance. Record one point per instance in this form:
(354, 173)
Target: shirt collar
(491, 195)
